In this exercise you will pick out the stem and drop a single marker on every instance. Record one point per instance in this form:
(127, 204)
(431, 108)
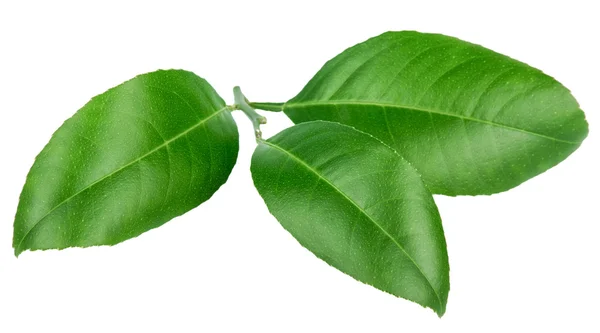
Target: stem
(241, 103)
(273, 107)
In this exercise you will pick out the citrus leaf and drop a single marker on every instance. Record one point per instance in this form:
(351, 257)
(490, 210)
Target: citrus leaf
(470, 120)
(359, 206)
(130, 160)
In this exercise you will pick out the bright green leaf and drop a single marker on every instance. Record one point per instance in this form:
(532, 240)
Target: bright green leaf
(130, 160)
(470, 120)
(359, 206)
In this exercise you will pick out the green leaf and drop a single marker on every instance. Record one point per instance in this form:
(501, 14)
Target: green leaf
(359, 206)
(130, 160)
(470, 120)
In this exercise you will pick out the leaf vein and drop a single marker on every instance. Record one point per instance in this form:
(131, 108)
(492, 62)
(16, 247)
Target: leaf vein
(414, 108)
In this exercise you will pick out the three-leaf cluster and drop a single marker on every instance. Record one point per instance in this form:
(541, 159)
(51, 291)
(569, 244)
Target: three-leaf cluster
(380, 128)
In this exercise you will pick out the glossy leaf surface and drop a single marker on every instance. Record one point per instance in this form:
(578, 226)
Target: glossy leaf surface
(359, 206)
(470, 120)
(131, 159)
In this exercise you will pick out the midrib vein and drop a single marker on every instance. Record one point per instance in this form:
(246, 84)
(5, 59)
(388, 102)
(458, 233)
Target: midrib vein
(313, 170)
(157, 148)
(414, 108)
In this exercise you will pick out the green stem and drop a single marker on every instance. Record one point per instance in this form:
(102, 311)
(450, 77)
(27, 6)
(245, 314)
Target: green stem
(274, 107)
(241, 103)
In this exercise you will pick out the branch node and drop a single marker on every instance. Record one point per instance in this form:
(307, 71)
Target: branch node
(241, 103)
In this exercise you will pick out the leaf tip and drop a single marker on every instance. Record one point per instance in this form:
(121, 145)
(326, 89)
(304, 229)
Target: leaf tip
(440, 311)
(18, 251)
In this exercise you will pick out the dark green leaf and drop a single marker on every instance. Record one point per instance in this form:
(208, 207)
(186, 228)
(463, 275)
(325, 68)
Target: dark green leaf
(358, 205)
(470, 120)
(130, 160)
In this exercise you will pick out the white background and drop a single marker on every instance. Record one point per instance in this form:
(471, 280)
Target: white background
(522, 261)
